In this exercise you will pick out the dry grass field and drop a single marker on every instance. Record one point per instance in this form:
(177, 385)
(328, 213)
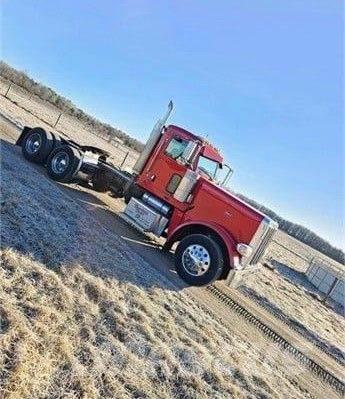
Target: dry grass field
(87, 315)
(286, 292)
(82, 316)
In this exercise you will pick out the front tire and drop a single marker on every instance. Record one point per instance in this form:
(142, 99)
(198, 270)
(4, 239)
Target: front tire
(199, 260)
(37, 145)
(63, 163)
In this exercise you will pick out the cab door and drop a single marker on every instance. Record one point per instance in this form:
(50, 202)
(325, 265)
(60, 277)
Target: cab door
(164, 171)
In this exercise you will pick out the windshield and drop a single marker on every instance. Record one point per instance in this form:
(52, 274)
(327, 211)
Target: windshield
(220, 173)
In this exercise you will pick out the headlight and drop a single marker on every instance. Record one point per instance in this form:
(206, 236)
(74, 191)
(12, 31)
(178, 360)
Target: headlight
(244, 249)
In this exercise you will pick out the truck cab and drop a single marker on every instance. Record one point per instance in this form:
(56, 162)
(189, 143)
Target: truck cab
(178, 152)
(184, 179)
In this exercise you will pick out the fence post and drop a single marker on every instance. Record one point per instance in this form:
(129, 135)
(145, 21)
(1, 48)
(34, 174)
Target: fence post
(331, 289)
(124, 160)
(58, 119)
(9, 87)
(311, 263)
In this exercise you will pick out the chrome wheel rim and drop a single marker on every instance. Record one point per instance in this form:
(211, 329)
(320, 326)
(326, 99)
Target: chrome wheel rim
(33, 143)
(60, 162)
(196, 260)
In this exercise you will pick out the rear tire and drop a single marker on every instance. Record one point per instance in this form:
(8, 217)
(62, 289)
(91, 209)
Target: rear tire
(63, 163)
(37, 145)
(199, 260)
(56, 139)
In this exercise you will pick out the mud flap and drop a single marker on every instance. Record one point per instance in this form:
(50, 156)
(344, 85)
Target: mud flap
(24, 132)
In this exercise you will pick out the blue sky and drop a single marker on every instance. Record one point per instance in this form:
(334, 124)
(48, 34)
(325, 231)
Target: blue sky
(262, 79)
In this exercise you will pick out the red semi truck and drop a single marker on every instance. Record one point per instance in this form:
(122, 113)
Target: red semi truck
(177, 190)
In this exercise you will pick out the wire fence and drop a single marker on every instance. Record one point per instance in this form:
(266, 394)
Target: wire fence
(327, 279)
(68, 125)
(298, 255)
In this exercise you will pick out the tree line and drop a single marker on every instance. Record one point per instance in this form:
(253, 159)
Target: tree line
(66, 106)
(299, 232)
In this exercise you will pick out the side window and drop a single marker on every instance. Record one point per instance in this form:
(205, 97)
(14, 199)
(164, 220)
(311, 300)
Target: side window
(176, 147)
(173, 183)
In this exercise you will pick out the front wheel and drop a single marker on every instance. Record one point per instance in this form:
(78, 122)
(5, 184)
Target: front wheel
(199, 260)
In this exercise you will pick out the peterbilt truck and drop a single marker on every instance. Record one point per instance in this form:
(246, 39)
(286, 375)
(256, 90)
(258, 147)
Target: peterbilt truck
(178, 189)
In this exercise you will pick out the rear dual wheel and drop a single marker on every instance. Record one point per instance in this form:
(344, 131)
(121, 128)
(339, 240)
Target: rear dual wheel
(37, 144)
(199, 260)
(63, 163)
(41, 146)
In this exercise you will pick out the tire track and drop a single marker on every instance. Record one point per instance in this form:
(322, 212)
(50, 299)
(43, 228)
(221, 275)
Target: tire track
(306, 361)
(284, 319)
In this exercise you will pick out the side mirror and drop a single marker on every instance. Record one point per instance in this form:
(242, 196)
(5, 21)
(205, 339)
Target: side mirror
(228, 175)
(188, 153)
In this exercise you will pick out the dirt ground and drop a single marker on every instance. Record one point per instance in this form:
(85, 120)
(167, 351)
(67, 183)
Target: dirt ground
(283, 290)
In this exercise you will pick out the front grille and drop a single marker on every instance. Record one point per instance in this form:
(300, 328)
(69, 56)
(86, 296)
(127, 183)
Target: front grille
(261, 248)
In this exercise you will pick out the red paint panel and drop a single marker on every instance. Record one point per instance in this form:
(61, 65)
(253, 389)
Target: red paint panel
(214, 205)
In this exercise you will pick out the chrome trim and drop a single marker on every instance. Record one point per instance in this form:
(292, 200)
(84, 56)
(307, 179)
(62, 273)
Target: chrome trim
(157, 204)
(60, 162)
(33, 143)
(196, 260)
(186, 185)
(152, 141)
(260, 241)
(145, 217)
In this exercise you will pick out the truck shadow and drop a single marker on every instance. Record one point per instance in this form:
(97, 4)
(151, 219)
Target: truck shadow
(293, 276)
(149, 249)
(39, 220)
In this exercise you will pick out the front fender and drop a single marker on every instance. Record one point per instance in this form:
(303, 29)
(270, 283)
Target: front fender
(229, 243)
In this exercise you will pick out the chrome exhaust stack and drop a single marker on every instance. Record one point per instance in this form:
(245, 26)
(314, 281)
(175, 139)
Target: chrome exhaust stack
(152, 141)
